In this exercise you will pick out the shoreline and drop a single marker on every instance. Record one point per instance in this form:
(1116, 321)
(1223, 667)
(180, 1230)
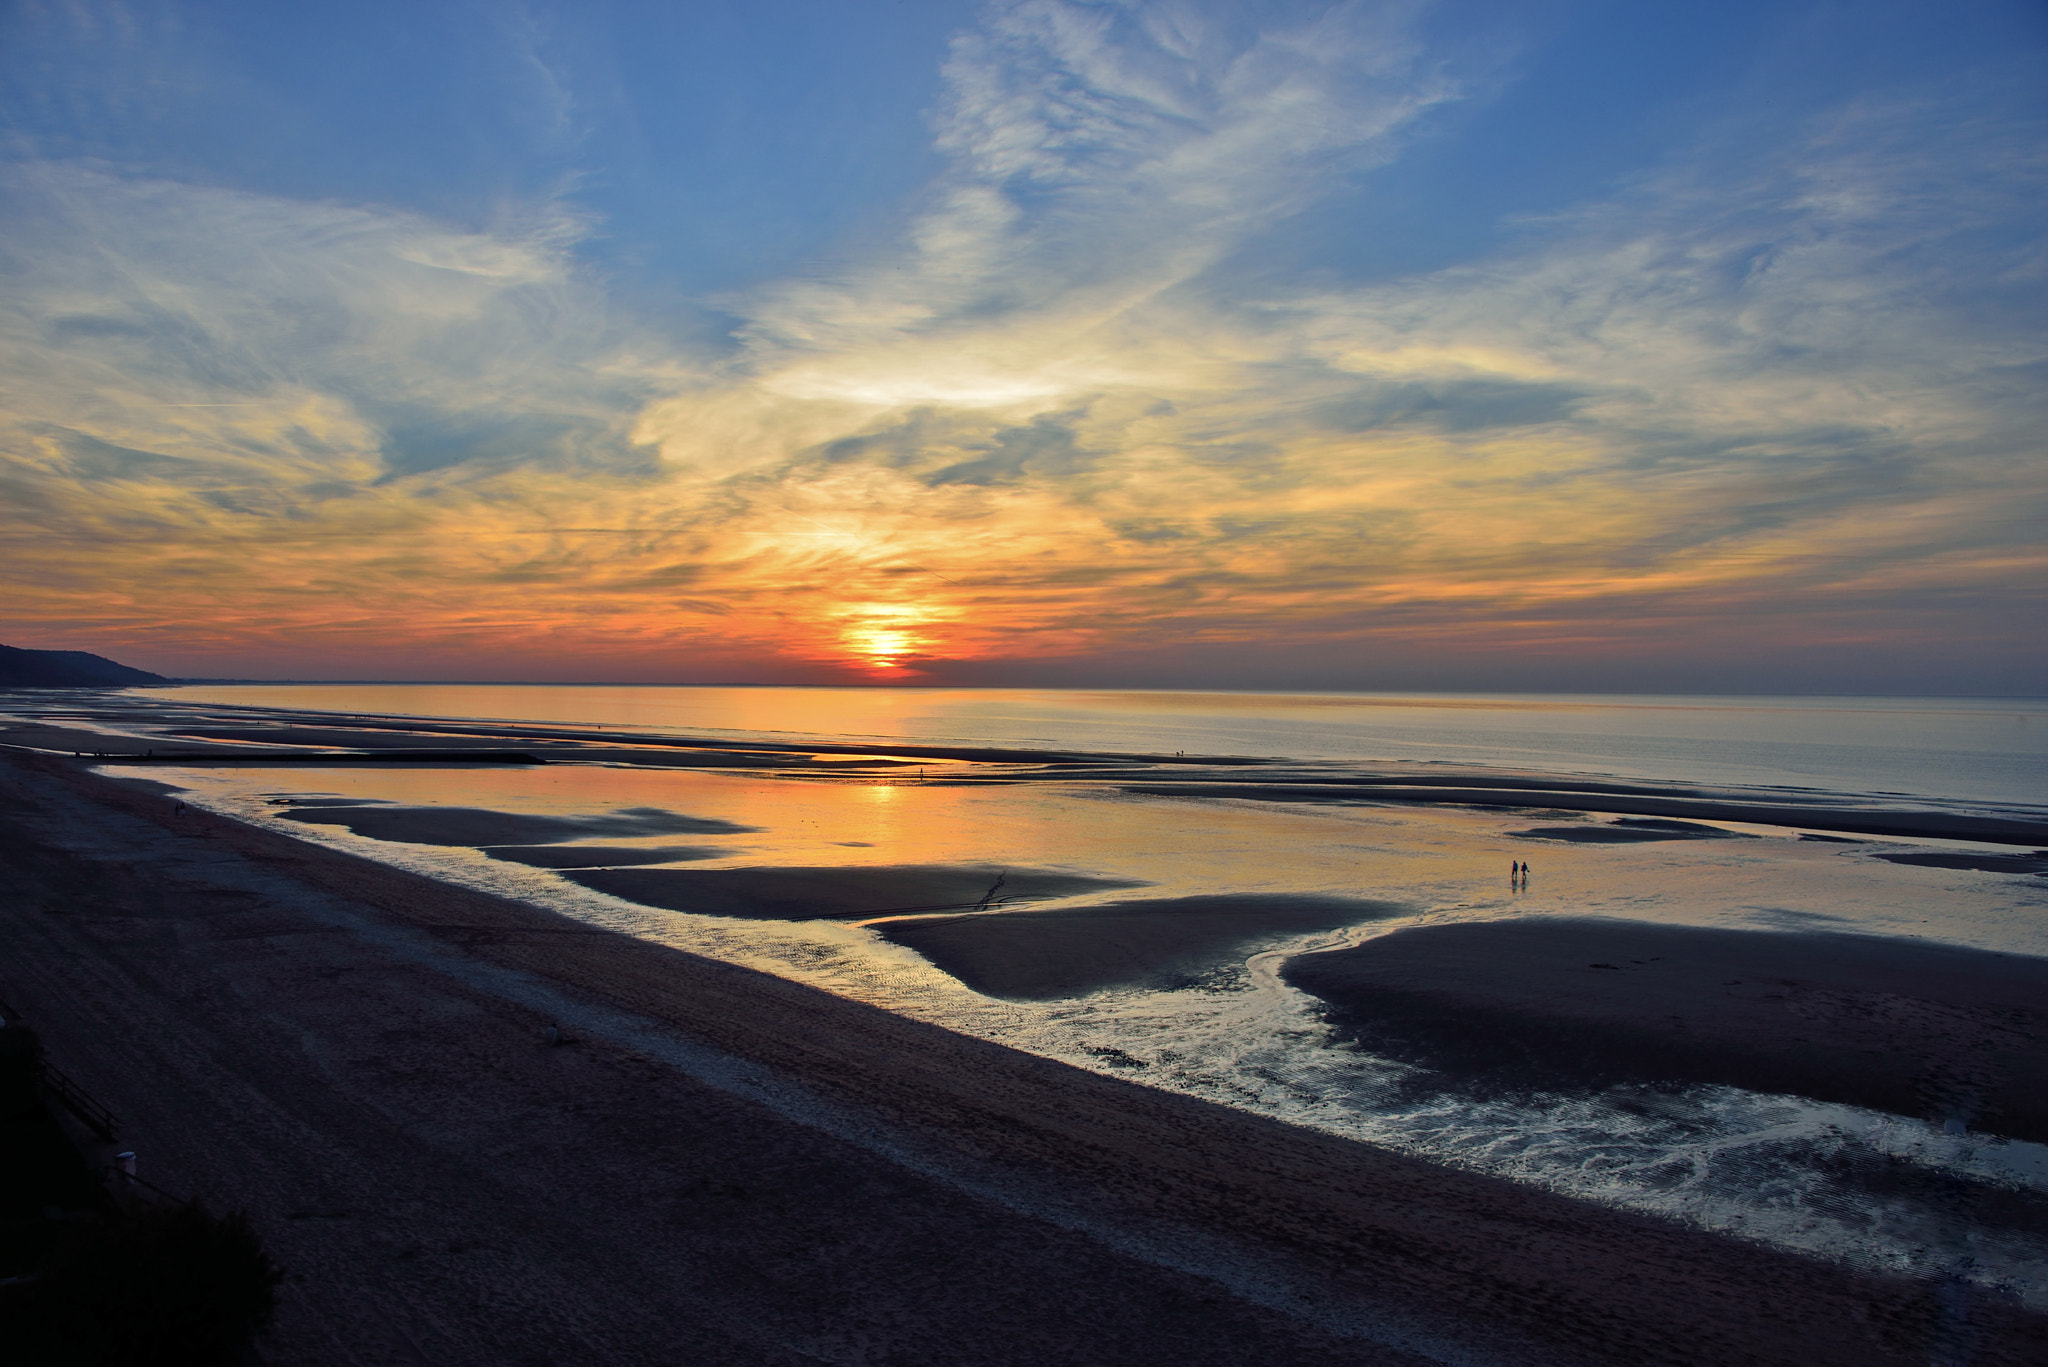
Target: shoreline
(337, 741)
(1516, 1274)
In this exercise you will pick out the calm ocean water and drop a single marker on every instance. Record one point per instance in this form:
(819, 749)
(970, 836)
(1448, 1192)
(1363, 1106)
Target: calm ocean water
(1969, 749)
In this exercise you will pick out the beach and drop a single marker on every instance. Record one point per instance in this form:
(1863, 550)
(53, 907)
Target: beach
(736, 1167)
(1909, 1028)
(1040, 681)
(1283, 1033)
(1069, 952)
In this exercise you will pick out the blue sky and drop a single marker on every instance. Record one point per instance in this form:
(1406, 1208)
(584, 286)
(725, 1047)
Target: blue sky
(1453, 345)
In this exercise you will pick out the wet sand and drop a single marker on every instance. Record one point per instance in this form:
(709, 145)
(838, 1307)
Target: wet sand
(600, 856)
(1627, 831)
(835, 892)
(1917, 1029)
(726, 1167)
(2036, 862)
(1479, 791)
(480, 826)
(391, 741)
(1069, 951)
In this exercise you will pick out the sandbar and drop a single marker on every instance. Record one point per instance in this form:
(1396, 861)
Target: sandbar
(1070, 951)
(1630, 830)
(836, 892)
(601, 856)
(393, 741)
(2036, 862)
(1808, 810)
(1918, 1029)
(482, 826)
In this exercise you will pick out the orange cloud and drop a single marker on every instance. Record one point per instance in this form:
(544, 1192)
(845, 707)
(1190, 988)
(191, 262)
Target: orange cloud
(1070, 425)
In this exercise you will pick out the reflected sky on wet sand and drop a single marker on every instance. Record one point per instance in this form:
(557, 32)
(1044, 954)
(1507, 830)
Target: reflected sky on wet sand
(1234, 1032)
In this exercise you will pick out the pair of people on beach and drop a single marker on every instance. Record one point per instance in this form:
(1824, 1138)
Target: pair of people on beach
(1518, 872)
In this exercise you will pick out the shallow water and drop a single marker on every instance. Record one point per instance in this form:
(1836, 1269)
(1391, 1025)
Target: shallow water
(1878, 1189)
(1970, 749)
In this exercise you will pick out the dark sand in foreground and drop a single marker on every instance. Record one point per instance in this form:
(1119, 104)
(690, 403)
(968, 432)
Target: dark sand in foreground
(1069, 951)
(319, 1039)
(1914, 1028)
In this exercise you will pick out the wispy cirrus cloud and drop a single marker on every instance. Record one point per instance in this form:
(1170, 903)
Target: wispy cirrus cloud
(1784, 386)
(1101, 157)
(213, 398)
(1758, 368)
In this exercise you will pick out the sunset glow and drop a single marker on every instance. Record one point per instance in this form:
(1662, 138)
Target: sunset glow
(882, 636)
(1130, 360)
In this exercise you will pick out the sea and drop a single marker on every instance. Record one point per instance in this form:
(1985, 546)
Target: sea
(1985, 749)
(1885, 1191)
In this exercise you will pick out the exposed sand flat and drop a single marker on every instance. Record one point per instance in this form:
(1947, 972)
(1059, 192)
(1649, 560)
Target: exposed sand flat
(1627, 831)
(600, 856)
(2036, 862)
(1067, 951)
(542, 744)
(252, 758)
(65, 740)
(841, 892)
(1909, 1027)
(176, 749)
(482, 826)
(351, 1052)
(1913, 825)
(350, 738)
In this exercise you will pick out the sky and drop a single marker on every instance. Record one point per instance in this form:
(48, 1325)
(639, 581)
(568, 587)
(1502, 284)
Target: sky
(1554, 344)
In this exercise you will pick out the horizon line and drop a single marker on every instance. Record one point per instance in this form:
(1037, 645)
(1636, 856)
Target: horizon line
(174, 681)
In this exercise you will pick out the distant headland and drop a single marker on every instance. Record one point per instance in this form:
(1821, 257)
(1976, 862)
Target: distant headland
(68, 669)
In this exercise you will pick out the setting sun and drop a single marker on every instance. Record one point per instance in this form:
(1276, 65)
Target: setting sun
(881, 635)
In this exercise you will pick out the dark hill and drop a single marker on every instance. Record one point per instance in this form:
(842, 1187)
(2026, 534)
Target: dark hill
(67, 669)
